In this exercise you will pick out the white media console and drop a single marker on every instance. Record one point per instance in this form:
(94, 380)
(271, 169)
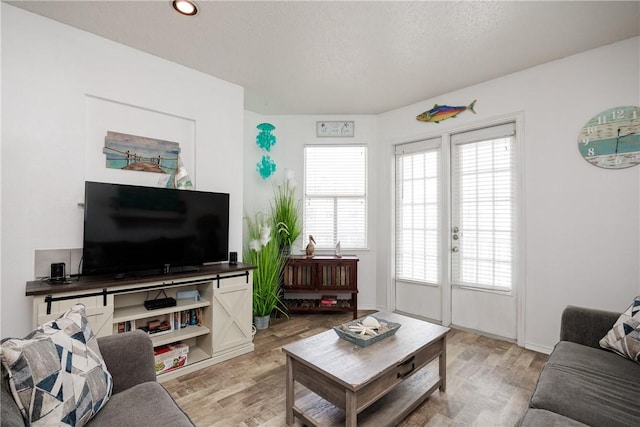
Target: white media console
(224, 309)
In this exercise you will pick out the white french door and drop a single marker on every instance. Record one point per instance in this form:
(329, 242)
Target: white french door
(456, 229)
(418, 249)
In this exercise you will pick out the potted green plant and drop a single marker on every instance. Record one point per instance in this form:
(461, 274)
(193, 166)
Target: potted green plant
(285, 212)
(262, 251)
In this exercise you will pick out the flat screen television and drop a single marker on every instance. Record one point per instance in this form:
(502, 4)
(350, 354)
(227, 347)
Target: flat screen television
(144, 230)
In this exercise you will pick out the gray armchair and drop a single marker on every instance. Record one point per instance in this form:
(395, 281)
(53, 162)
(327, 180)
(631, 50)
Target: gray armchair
(137, 398)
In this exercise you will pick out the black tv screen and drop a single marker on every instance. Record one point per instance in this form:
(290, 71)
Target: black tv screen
(134, 229)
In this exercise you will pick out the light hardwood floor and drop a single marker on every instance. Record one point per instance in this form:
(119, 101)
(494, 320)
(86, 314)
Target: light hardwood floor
(489, 381)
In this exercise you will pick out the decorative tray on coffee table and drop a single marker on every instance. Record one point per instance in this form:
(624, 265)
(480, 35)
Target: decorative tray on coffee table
(351, 331)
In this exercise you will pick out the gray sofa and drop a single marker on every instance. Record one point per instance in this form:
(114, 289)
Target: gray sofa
(137, 399)
(582, 384)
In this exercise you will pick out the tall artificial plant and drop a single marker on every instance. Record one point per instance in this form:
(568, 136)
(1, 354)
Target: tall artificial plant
(262, 250)
(285, 212)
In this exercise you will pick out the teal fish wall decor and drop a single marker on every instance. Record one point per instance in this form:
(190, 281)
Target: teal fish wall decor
(265, 139)
(443, 112)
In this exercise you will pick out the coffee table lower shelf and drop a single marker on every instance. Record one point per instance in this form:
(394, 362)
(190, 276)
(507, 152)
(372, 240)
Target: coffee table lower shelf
(389, 410)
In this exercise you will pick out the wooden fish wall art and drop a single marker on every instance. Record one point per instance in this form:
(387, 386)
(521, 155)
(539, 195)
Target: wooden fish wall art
(443, 112)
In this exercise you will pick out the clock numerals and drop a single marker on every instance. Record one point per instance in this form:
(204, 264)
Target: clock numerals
(611, 139)
(590, 131)
(615, 115)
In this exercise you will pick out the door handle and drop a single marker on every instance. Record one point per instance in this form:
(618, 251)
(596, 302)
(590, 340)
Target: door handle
(454, 249)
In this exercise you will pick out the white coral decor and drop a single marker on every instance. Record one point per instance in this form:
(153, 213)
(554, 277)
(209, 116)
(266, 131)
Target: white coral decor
(370, 322)
(368, 326)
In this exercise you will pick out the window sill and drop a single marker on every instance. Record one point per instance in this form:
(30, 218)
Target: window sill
(491, 290)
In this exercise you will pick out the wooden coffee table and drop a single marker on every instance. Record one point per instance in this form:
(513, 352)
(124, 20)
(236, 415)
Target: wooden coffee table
(377, 385)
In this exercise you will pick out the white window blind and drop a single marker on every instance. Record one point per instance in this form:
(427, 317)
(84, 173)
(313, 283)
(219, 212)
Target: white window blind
(418, 211)
(483, 207)
(335, 201)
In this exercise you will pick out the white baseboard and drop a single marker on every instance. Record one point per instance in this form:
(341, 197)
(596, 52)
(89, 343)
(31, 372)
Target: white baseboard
(486, 334)
(529, 346)
(370, 307)
(539, 348)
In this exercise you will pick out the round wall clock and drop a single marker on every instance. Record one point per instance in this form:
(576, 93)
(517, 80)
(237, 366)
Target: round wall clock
(611, 139)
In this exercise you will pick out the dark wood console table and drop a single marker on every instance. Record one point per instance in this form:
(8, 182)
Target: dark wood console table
(322, 275)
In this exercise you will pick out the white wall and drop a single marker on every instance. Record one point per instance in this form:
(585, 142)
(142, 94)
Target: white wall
(581, 221)
(292, 133)
(50, 74)
(581, 224)
(582, 229)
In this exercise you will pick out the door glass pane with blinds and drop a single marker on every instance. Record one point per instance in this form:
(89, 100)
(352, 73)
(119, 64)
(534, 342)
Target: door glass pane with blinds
(483, 207)
(418, 211)
(335, 201)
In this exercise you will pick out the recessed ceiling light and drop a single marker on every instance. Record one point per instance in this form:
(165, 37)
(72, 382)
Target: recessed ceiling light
(185, 7)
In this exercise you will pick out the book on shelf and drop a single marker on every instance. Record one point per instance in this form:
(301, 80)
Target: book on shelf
(187, 318)
(157, 327)
(124, 327)
(329, 300)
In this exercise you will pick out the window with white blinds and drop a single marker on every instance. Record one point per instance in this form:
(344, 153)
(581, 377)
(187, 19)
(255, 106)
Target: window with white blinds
(484, 207)
(335, 195)
(418, 211)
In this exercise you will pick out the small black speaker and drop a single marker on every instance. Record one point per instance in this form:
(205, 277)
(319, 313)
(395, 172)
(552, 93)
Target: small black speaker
(233, 258)
(57, 272)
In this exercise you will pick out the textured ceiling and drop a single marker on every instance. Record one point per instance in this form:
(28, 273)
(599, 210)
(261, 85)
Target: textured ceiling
(352, 57)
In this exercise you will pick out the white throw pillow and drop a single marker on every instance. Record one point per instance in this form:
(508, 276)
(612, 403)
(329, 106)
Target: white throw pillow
(624, 337)
(56, 373)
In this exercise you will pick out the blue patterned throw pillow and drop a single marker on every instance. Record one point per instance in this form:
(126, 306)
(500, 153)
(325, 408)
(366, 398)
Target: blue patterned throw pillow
(624, 337)
(57, 374)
